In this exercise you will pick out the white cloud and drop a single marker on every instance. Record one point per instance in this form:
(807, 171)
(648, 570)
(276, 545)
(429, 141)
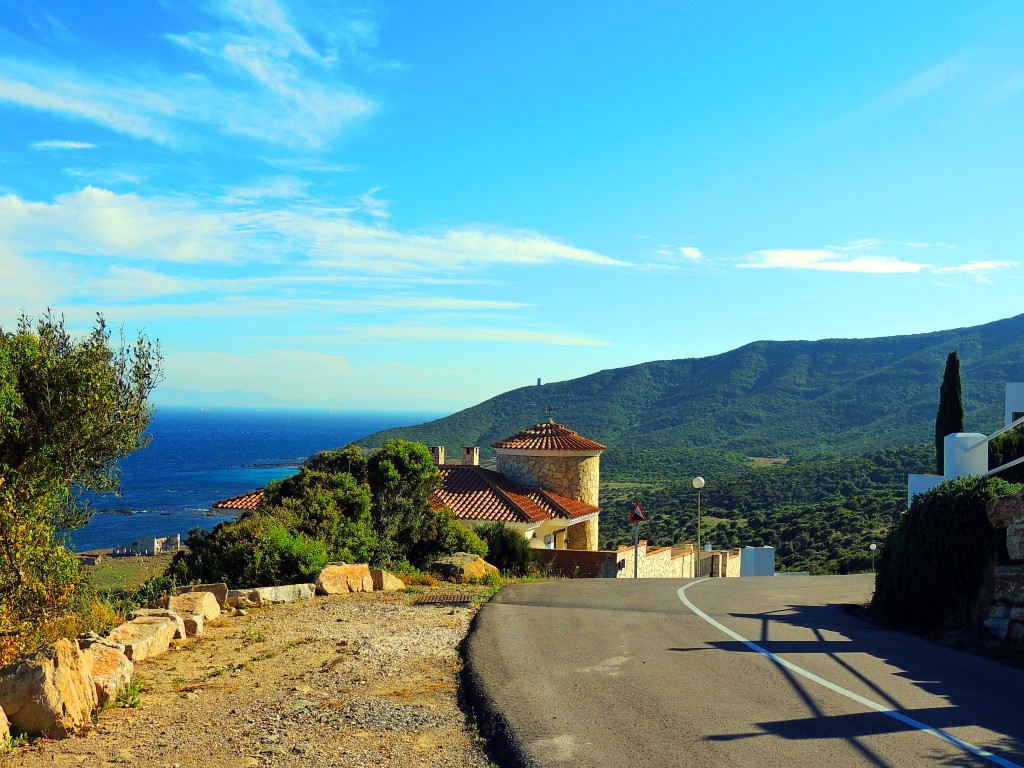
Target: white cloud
(924, 83)
(828, 260)
(976, 266)
(58, 144)
(97, 222)
(415, 333)
(259, 76)
(689, 252)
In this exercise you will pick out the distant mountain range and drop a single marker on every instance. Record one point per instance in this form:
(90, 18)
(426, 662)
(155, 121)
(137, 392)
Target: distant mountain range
(765, 399)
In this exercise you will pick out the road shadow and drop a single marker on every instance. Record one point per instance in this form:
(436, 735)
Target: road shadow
(966, 684)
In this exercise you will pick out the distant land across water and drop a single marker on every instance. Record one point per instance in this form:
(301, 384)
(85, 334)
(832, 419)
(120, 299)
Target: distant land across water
(199, 456)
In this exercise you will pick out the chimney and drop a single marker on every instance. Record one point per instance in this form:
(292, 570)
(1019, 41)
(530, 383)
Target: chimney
(471, 456)
(437, 451)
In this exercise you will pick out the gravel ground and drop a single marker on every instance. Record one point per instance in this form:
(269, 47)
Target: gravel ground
(355, 680)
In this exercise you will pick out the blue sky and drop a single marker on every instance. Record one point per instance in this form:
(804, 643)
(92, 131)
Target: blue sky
(414, 205)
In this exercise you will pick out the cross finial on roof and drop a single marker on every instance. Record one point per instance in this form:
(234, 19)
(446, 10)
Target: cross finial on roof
(550, 409)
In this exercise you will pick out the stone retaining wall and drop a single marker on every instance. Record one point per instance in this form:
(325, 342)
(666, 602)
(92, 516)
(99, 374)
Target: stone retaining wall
(1006, 617)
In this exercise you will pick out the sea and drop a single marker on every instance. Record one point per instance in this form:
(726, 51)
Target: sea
(201, 455)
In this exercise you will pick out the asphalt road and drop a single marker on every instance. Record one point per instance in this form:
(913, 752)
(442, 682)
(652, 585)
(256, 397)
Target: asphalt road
(621, 672)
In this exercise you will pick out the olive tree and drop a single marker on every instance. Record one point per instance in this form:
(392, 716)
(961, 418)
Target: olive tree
(69, 408)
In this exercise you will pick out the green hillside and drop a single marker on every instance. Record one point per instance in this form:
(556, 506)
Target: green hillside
(769, 398)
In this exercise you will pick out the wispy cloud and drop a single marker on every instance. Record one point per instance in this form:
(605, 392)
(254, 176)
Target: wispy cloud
(691, 253)
(407, 333)
(58, 144)
(258, 76)
(862, 256)
(923, 83)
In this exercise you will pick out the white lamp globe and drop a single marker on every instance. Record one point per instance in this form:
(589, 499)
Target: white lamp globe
(698, 482)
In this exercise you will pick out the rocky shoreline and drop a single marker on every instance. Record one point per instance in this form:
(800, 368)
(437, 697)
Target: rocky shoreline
(367, 678)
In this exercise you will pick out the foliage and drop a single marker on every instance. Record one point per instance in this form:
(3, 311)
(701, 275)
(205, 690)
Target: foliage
(330, 506)
(1004, 449)
(773, 399)
(69, 408)
(256, 550)
(507, 549)
(403, 476)
(934, 561)
(129, 695)
(821, 516)
(950, 416)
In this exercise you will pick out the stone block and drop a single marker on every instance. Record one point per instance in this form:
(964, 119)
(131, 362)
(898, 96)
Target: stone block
(254, 598)
(5, 731)
(1016, 630)
(49, 692)
(1017, 613)
(1015, 541)
(385, 580)
(145, 636)
(340, 578)
(1008, 585)
(180, 631)
(111, 671)
(1006, 510)
(219, 590)
(998, 627)
(999, 612)
(204, 604)
(463, 566)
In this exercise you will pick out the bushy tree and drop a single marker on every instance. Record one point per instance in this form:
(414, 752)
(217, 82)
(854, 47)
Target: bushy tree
(69, 408)
(933, 562)
(950, 416)
(507, 548)
(409, 530)
(257, 550)
(332, 507)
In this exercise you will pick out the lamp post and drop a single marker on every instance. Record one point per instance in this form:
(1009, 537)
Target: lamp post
(873, 547)
(698, 483)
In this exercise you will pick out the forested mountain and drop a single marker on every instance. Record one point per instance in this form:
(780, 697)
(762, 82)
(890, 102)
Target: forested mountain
(835, 397)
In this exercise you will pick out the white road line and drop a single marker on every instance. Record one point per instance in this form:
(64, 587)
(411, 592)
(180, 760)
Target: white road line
(938, 733)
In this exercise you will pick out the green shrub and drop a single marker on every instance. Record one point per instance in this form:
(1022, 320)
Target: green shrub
(254, 551)
(507, 548)
(933, 562)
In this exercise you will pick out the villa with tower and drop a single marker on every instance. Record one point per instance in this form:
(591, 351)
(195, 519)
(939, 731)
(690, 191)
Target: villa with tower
(545, 485)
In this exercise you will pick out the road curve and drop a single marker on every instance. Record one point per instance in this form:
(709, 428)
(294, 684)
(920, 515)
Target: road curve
(756, 672)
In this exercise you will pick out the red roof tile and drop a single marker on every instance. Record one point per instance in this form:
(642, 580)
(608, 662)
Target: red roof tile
(475, 493)
(244, 501)
(548, 436)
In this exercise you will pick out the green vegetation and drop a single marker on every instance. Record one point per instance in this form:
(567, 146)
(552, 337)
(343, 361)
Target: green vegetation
(115, 574)
(129, 695)
(69, 408)
(950, 416)
(820, 516)
(507, 549)
(339, 507)
(835, 397)
(935, 559)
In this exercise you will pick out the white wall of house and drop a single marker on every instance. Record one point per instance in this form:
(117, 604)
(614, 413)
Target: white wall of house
(1014, 402)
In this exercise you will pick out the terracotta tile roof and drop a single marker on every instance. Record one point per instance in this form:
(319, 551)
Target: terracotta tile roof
(244, 501)
(475, 493)
(548, 436)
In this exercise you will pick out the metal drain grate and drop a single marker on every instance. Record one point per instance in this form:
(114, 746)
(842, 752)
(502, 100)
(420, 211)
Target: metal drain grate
(443, 598)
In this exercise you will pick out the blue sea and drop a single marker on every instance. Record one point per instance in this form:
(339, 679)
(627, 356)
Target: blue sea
(199, 456)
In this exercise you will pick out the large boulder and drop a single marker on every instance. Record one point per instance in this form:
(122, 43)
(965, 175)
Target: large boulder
(463, 566)
(340, 578)
(260, 596)
(219, 590)
(49, 692)
(385, 580)
(145, 636)
(111, 671)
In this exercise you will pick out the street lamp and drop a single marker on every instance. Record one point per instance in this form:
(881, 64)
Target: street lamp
(873, 547)
(698, 483)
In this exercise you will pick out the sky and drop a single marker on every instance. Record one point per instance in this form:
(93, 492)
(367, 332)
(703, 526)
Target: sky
(409, 205)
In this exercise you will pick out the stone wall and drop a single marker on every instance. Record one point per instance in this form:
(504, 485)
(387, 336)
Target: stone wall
(577, 477)
(1006, 617)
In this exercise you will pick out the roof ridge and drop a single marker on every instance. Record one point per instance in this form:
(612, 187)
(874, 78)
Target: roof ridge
(501, 491)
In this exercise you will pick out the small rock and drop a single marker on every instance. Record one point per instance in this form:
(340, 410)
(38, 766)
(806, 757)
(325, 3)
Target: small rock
(301, 748)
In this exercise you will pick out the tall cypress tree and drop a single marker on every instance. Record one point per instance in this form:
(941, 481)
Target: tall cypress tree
(950, 417)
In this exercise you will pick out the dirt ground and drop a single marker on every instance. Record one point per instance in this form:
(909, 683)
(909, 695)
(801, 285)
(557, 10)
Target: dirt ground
(355, 680)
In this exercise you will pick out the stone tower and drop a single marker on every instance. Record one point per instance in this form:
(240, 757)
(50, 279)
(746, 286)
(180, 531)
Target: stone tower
(562, 461)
